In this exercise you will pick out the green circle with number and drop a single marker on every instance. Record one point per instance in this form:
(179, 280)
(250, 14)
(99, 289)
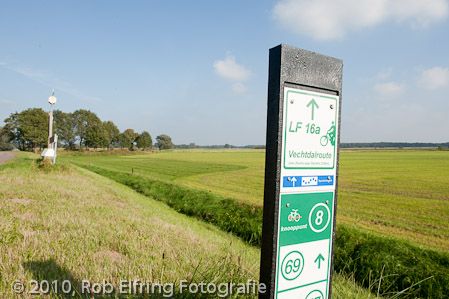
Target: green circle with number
(315, 294)
(292, 265)
(319, 217)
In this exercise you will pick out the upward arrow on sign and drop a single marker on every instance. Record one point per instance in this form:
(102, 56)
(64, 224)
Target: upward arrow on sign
(318, 260)
(293, 181)
(312, 104)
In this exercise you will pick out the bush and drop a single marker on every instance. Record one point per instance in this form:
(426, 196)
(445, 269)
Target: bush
(6, 146)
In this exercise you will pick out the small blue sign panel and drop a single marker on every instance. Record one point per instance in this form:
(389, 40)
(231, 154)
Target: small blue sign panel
(307, 181)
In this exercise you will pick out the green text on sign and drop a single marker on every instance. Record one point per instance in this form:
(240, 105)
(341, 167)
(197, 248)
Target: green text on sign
(310, 129)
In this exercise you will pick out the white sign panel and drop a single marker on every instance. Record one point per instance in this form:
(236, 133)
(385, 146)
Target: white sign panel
(310, 132)
(310, 136)
(306, 208)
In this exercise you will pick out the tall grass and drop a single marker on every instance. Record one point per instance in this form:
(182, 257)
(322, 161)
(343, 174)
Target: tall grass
(391, 267)
(73, 224)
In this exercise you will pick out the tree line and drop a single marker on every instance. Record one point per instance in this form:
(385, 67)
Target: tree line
(28, 130)
(394, 145)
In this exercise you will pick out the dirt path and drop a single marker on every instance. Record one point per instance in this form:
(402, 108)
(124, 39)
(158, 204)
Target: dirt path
(5, 156)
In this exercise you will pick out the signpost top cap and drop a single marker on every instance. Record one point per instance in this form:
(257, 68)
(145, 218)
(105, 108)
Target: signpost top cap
(52, 100)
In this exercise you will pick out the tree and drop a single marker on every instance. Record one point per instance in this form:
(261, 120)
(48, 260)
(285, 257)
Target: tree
(65, 127)
(84, 120)
(96, 135)
(112, 133)
(11, 130)
(33, 124)
(164, 142)
(4, 141)
(3, 135)
(127, 138)
(28, 129)
(144, 140)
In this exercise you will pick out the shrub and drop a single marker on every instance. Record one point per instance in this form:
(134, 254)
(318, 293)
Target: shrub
(6, 146)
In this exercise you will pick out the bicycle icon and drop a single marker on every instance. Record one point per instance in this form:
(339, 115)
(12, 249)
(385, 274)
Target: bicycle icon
(330, 136)
(294, 216)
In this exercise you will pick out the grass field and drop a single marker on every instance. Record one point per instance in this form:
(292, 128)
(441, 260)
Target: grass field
(400, 193)
(220, 172)
(70, 223)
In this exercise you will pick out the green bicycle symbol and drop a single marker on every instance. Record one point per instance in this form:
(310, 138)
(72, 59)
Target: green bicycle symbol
(294, 216)
(330, 136)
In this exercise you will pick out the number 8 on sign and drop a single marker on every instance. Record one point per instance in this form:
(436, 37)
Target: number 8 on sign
(319, 217)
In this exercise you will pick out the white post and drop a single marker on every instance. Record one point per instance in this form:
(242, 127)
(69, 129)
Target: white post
(55, 147)
(50, 125)
(50, 151)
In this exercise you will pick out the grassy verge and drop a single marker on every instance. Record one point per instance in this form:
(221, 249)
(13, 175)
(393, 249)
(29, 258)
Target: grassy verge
(386, 265)
(69, 223)
(241, 219)
(72, 224)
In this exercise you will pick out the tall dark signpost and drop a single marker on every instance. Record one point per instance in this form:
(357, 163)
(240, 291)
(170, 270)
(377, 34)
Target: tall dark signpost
(301, 171)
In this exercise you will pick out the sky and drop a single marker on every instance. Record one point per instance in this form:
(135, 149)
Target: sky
(198, 70)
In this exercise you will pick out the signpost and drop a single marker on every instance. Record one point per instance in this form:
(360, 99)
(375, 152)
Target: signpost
(303, 124)
(50, 151)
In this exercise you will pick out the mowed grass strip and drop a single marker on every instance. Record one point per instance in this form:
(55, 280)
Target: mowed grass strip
(69, 223)
(241, 219)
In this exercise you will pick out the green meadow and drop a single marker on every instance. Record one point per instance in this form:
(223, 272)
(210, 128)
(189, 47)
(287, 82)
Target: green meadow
(392, 233)
(400, 193)
(196, 215)
(68, 223)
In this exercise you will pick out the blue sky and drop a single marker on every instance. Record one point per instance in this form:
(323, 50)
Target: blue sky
(197, 70)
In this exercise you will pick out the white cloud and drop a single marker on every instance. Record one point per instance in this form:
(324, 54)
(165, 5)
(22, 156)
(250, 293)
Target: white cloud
(389, 89)
(435, 78)
(332, 19)
(229, 69)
